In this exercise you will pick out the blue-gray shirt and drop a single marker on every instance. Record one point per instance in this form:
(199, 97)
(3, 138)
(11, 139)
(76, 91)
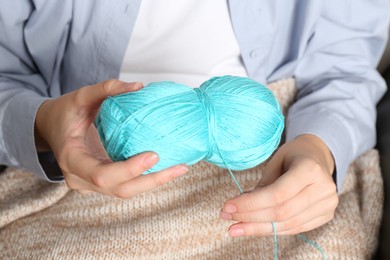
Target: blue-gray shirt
(331, 47)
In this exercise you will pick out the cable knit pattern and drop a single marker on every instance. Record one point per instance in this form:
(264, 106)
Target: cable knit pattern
(40, 220)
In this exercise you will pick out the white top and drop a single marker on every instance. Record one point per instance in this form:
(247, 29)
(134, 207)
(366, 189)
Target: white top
(186, 41)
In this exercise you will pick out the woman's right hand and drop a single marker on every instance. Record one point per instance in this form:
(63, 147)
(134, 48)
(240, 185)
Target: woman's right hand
(65, 126)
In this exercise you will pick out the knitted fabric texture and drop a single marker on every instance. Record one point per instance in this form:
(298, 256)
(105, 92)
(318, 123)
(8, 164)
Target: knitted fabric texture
(40, 220)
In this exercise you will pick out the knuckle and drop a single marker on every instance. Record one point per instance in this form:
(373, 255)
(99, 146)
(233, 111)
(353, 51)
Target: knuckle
(292, 224)
(329, 189)
(160, 179)
(249, 203)
(278, 197)
(122, 193)
(315, 166)
(98, 180)
(336, 201)
(256, 230)
(333, 189)
(330, 218)
(332, 205)
(281, 213)
(312, 164)
(297, 230)
(242, 217)
(107, 85)
(131, 173)
(169, 178)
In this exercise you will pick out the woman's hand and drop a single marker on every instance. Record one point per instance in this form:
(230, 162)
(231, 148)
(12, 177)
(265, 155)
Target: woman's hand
(296, 192)
(65, 126)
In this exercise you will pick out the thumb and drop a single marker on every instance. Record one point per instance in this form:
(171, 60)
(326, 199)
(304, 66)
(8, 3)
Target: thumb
(94, 95)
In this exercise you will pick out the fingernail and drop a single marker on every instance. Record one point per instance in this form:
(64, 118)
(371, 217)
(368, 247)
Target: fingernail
(225, 216)
(181, 170)
(230, 208)
(236, 232)
(151, 160)
(135, 86)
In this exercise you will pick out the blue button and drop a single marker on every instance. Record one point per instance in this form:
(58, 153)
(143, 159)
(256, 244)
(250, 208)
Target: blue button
(254, 54)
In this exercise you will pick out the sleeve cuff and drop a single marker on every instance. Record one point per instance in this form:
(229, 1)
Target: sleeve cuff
(18, 128)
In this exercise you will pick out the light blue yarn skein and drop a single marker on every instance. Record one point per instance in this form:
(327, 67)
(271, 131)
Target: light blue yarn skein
(233, 122)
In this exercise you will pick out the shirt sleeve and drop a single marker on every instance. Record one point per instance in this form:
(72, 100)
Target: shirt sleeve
(338, 85)
(23, 87)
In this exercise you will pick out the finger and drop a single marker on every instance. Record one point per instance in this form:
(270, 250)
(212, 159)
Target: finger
(148, 182)
(130, 188)
(84, 192)
(283, 189)
(74, 182)
(313, 224)
(105, 175)
(288, 209)
(299, 223)
(272, 171)
(113, 174)
(266, 229)
(95, 94)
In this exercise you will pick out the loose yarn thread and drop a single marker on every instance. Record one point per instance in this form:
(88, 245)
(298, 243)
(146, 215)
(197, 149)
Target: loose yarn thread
(275, 235)
(236, 117)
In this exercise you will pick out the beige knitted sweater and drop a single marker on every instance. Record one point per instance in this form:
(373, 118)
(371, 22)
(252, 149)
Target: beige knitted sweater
(39, 220)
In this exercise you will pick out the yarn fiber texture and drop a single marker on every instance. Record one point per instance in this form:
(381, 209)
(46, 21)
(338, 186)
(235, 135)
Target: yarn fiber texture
(233, 122)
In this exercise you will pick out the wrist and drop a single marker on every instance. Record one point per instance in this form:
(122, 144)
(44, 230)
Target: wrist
(318, 149)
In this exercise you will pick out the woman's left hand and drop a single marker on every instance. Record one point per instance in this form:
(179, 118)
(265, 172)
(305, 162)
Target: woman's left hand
(296, 192)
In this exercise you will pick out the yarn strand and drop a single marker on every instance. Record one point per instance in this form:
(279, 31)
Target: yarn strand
(273, 224)
(275, 235)
(275, 241)
(313, 244)
(236, 181)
